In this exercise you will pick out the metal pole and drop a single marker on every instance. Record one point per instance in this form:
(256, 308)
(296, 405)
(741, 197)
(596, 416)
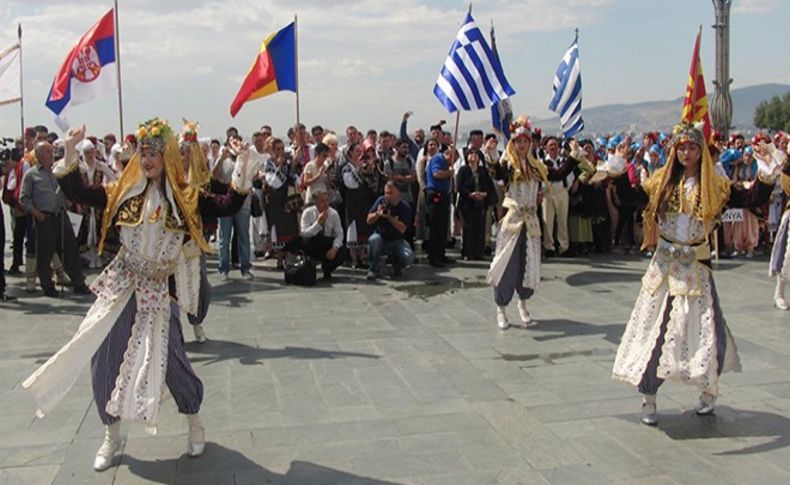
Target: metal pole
(21, 86)
(118, 69)
(455, 134)
(296, 67)
(721, 100)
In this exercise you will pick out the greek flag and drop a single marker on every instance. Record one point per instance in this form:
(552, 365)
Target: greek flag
(501, 111)
(567, 100)
(472, 77)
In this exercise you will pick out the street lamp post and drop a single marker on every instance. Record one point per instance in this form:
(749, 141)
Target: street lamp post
(721, 103)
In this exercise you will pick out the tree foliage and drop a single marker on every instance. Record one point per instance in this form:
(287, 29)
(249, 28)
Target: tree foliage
(773, 114)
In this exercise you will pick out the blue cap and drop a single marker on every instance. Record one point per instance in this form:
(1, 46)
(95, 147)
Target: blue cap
(655, 148)
(662, 136)
(748, 150)
(601, 141)
(730, 155)
(614, 141)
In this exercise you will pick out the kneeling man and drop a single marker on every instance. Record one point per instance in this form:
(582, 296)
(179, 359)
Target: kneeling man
(321, 235)
(390, 217)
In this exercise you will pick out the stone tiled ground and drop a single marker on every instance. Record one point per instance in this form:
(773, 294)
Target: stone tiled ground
(410, 382)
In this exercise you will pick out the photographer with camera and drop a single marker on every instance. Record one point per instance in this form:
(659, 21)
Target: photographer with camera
(390, 217)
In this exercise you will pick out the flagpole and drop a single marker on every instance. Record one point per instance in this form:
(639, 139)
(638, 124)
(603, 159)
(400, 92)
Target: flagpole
(296, 67)
(21, 85)
(117, 37)
(458, 112)
(455, 134)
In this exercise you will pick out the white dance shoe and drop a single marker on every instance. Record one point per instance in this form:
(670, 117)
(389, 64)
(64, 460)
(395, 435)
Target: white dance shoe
(526, 320)
(779, 294)
(200, 334)
(706, 404)
(649, 410)
(109, 448)
(196, 437)
(501, 318)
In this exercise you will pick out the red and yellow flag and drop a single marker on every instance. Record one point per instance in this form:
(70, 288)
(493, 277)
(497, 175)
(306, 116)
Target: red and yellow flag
(273, 70)
(695, 104)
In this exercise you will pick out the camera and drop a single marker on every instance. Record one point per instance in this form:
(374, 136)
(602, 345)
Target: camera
(9, 152)
(386, 207)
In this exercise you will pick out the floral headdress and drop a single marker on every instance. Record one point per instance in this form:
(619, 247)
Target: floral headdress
(154, 134)
(688, 132)
(535, 168)
(714, 189)
(198, 174)
(189, 131)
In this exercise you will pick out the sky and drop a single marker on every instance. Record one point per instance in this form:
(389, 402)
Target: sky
(365, 62)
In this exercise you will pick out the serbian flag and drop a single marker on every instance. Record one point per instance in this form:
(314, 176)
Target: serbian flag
(88, 71)
(695, 104)
(274, 69)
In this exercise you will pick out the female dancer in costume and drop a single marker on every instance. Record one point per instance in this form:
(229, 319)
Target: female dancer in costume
(516, 264)
(780, 255)
(128, 331)
(196, 174)
(677, 330)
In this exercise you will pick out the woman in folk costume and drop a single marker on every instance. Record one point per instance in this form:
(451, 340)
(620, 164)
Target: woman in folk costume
(281, 179)
(780, 255)
(136, 349)
(356, 176)
(94, 172)
(677, 330)
(196, 174)
(516, 264)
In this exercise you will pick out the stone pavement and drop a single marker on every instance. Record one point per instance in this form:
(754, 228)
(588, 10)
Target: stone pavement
(410, 382)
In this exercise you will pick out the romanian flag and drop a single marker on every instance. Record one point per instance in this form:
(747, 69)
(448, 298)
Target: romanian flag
(274, 69)
(695, 104)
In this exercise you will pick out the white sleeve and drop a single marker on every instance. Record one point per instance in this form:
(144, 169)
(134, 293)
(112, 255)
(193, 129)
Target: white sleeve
(348, 180)
(309, 223)
(11, 185)
(615, 164)
(270, 176)
(337, 229)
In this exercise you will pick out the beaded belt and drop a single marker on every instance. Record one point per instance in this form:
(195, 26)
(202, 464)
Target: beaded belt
(146, 267)
(685, 254)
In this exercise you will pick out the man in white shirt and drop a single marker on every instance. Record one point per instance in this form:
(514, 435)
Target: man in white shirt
(555, 204)
(258, 225)
(321, 235)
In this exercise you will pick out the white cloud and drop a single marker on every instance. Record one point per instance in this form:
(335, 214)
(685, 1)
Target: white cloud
(754, 6)
(190, 57)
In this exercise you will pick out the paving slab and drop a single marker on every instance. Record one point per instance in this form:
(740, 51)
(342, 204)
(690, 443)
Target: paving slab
(409, 381)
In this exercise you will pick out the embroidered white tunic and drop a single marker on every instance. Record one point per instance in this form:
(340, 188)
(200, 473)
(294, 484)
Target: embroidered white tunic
(150, 253)
(521, 202)
(689, 353)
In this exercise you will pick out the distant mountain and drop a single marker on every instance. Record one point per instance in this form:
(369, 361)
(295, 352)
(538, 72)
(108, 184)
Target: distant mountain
(660, 115)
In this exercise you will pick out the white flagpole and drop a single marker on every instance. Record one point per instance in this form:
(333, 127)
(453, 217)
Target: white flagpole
(458, 112)
(296, 68)
(21, 93)
(117, 37)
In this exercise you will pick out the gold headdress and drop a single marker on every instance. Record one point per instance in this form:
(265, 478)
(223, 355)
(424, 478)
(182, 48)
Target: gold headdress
(157, 135)
(714, 189)
(198, 175)
(521, 128)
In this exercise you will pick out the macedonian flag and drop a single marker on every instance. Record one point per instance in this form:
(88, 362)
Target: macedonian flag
(695, 104)
(274, 69)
